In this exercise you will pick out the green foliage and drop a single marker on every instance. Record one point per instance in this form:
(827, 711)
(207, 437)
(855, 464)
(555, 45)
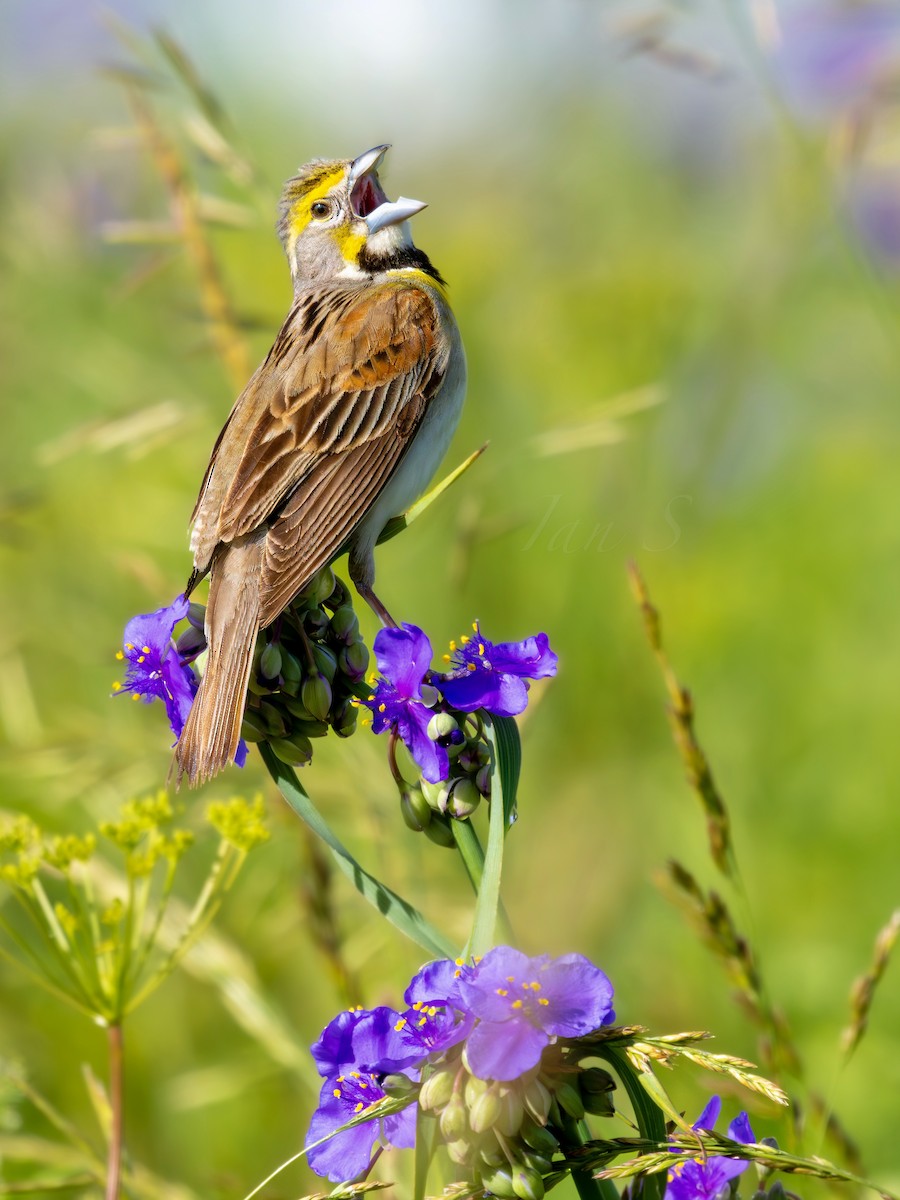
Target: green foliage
(677, 356)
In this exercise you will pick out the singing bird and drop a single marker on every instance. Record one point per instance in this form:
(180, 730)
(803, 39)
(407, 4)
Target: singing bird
(339, 430)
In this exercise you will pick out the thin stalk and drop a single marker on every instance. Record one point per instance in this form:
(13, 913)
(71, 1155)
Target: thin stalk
(470, 850)
(116, 1100)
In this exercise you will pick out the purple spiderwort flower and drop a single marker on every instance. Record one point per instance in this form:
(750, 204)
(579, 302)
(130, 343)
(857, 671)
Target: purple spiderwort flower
(156, 672)
(706, 1178)
(521, 1004)
(507, 1007)
(354, 1052)
(492, 675)
(404, 659)
(834, 55)
(348, 1154)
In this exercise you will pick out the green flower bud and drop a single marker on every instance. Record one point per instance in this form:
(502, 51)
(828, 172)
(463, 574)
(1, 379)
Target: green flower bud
(432, 793)
(453, 1120)
(464, 798)
(569, 1099)
(472, 758)
(438, 831)
(315, 692)
(437, 1089)
(253, 728)
(596, 1087)
(441, 725)
(315, 623)
(475, 1087)
(538, 1137)
(486, 1110)
(344, 626)
(196, 614)
(339, 596)
(353, 661)
(537, 1162)
(270, 661)
(190, 641)
(319, 588)
(343, 718)
(291, 673)
(500, 1183)
(483, 780)
(310, 729)
(325, 661)
(459, 1152)
(415, 810)
(527, 1183)
(509, 1120)
(295, 751)
(538, 1101)
(399, 1086)
(258, 687)
(296, 708)
(273, 719)
(491, 1152)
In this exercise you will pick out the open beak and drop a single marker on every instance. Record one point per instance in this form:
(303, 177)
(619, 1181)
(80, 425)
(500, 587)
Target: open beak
(368, 198)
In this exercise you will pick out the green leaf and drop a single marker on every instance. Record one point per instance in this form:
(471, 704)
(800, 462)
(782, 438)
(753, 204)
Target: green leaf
(509, 759)
(426, 1130)
(398, 524)
(399, 912)
(649, 1115)
(485, 921)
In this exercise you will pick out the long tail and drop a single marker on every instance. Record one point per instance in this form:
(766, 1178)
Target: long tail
(209, 740)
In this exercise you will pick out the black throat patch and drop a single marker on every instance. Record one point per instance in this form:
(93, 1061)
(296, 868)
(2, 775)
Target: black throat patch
(407, 256)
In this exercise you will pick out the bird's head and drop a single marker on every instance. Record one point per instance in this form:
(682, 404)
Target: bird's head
(335, 219)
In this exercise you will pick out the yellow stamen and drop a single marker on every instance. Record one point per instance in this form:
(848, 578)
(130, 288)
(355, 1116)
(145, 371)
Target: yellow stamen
(146, 649)
(401, 1024)
(444, 657)
(470, 667)
(516, 1004)
(119, 655)
(502, 992)
(117, 687)
(543, 1000)
(382, 708)
(465, 639)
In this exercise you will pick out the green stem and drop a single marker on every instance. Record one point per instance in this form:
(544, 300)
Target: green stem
(587, 1186)
(470, 851)
(114, 1158)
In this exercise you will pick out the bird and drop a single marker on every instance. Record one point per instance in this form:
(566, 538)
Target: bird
(339, 430)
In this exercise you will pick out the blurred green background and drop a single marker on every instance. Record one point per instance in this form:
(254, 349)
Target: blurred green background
(682, 351)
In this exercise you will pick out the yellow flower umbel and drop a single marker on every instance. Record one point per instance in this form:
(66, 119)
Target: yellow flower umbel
(92, 935)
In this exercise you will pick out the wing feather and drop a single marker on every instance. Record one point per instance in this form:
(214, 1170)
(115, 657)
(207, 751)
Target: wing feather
(350, 365)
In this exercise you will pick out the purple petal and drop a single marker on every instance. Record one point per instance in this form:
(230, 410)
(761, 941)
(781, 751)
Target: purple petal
(529, 659)
(437, 983)
(155, 628)
(403, 657)
(579, 995)
(740, 1131)
(346, 1155)
(485, 992)
(710, 1114)
(501, 695)
(431, 758)
(333, 1051)
(504, 1050)
(378, 1044)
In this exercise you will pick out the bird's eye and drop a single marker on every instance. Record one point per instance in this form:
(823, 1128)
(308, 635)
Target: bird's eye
(321, 209)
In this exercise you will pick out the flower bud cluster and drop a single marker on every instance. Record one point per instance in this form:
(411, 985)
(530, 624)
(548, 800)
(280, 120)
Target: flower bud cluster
(306, 668)
(495, 1046)
(430, 807)
(507, 1133)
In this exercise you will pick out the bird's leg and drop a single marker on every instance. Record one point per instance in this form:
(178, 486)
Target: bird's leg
(361, 568)
(365, 590)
